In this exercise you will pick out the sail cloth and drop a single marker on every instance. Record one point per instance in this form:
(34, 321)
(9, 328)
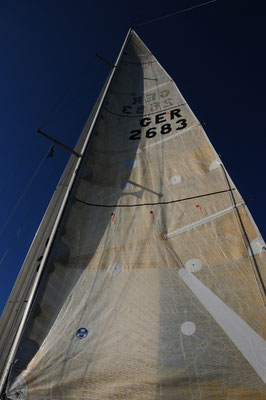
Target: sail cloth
(154, 286)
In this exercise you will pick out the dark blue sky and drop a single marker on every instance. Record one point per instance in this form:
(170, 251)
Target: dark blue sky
(216, 55)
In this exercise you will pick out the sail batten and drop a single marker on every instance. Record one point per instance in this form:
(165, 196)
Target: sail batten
(201, 221)
(148, 290)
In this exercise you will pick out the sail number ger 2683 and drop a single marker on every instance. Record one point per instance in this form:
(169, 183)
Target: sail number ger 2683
(158, 119)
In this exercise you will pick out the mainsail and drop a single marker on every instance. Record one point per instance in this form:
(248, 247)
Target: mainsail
(153, 285)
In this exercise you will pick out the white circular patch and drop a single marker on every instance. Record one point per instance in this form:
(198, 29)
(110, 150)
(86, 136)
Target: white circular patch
(115, 269)
(215, 164)
(174, 180)
(188, 328)
(193, 265)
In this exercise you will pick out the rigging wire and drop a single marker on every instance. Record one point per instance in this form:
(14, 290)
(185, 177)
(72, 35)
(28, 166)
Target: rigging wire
(175, 13)
(15, 245)
(21, 235)
(25, 191)
(17, 165)
(4, 256)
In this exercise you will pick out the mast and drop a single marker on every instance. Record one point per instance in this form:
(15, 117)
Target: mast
(56, 226)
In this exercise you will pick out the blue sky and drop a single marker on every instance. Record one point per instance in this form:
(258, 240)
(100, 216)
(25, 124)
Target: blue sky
(216, 55)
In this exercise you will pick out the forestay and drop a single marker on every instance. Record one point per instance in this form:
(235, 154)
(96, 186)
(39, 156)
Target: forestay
(154, 286)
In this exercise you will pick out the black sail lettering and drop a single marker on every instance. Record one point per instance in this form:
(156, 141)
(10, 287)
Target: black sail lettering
(175, 113)
(160, 118)
(145, 121)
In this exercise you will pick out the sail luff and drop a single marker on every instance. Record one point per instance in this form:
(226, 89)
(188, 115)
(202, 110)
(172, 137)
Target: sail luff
(39, 274)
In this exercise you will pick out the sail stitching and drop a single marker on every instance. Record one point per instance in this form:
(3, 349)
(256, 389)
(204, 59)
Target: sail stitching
(155, 203)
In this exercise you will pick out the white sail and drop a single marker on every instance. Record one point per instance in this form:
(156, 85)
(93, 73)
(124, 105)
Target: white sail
(153, 288)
